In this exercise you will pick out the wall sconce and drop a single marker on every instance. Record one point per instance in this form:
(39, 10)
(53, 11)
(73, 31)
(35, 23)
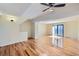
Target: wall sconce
(11, 20)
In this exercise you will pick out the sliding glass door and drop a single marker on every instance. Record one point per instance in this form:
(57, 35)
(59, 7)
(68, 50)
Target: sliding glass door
(58, 30)
(58, 34)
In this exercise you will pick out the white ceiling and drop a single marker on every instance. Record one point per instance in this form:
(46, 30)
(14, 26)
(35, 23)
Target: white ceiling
(73, 18)
(28, 10)
(33, 10)
(16, 9)
(71, 9)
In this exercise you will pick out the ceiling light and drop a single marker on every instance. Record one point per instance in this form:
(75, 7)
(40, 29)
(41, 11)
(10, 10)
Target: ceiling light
(51, 10)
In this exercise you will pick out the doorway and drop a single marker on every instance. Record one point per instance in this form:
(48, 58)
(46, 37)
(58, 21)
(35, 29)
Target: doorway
(58, 33)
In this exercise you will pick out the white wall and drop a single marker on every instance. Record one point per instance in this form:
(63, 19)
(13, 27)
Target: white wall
(71, 29)
(8, 29)
(40, 30)
(9, 32)
(78, 29)
(49, 29)
(26, 27)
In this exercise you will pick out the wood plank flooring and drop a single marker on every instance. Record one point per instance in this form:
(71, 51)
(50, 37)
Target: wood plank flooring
(41, 47)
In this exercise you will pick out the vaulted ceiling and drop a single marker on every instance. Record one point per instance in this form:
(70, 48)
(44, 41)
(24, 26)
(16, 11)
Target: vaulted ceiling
(71, 9)
(16, 9)
(34, 11)
(28, 10)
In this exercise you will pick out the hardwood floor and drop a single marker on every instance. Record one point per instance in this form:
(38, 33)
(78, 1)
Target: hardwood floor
(41, 47)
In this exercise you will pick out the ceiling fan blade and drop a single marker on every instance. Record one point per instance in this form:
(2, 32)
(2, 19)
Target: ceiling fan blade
(46, 9)
(52, 5)
(60, 5)
(45, 4)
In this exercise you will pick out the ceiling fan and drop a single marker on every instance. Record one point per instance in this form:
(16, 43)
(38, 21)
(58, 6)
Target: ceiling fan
(50, 5)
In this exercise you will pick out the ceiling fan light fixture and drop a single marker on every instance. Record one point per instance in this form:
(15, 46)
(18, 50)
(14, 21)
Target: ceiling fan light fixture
(51, 10)
(52, 5)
